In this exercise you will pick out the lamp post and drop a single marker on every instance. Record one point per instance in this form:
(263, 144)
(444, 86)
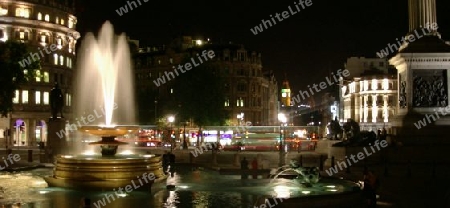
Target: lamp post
(171, 119)
(184, 135)
(282, 119)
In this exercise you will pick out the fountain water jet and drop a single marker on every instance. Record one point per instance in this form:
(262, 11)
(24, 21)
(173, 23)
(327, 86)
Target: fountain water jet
(101, 62)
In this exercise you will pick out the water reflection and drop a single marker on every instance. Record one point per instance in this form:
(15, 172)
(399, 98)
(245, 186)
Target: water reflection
(193, 189)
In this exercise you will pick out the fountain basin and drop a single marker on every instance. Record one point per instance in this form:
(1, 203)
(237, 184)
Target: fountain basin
(109, 131)
(98, 172)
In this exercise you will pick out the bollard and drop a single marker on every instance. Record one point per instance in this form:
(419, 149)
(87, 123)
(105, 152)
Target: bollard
(409, 169)
(332, 161)
(30, 155)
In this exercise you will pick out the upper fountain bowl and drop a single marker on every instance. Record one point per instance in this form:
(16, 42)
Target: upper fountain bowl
(109, 131)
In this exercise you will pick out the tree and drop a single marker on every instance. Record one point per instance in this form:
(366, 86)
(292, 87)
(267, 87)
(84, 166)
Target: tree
(15, 72)
(200, 96)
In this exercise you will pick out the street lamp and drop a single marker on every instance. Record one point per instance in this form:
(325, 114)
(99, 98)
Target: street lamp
(184, 135)
(171, 119)
(282, 118)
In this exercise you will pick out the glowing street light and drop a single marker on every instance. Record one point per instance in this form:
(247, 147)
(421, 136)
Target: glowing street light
(282, 119)
(171, 119)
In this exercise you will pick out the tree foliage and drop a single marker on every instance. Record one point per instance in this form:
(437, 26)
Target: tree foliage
(13, 75)
(200, 96)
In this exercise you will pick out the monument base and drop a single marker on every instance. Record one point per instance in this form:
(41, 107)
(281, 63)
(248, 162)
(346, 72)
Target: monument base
(56, 138)
(422, 129)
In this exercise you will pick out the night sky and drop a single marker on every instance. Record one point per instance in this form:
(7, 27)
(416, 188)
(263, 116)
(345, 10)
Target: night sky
(306, 46)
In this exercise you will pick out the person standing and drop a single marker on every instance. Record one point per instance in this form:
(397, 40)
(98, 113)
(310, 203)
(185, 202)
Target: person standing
(165, 161)
(172, 163)
(244, 168)
(371, 184)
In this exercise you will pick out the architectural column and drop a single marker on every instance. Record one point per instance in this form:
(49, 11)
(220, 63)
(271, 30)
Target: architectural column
(422, 13)
(385, 108)
(374, 108)
(361, 108)
(366, 108)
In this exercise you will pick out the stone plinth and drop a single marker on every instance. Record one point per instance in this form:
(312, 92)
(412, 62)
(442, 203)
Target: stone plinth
(56, 139)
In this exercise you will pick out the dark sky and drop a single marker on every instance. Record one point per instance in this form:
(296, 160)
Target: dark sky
(306, 46)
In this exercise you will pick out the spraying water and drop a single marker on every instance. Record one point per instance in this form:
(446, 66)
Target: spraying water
(104, 79)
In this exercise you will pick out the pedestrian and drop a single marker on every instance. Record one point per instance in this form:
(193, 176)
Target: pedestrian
(244, 168)
(165, 161)
(172, 163)
(371, 184)
(255, 168)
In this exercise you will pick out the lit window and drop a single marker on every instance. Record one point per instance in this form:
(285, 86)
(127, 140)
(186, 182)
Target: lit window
(16, 97)
(21, 35)
(43, 37)
(46, 77)
(38, 75)
(55, 59)
(374, 84)
(68, 99)
(227, 103)
(61, 60)
(23, 12)
(39, 17)
(385, 84)
(70, 24)
(37, 97)
(57, 20)
(240, 102)
(3, 11)
(59, 42)
(24, 96)
(47, 18)
(62, 21)
(46, 98)
(171, 90)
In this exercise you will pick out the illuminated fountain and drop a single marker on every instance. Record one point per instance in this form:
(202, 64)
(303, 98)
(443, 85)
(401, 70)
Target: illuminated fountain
(105, 80)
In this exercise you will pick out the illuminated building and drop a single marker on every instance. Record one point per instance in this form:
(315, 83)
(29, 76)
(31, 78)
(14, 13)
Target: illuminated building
(370, 99)
(251, 93)
(39, 24)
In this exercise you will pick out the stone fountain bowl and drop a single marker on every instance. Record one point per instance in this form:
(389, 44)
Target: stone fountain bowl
(97, 172)
(109, 131)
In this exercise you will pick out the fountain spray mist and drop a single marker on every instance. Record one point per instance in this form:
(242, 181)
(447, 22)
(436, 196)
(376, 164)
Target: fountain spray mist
(104, 77)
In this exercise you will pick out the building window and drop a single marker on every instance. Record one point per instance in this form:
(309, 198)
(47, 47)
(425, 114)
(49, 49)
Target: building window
(59, 42)
(57, 20)
(374, 84)
(171, 90)
(47, 18)
(227, 102)
(39, 16)
(68, 99)
(62, 21)
(16, 97)
(45, 99)
(37, 97)
(23, 12)
(70, 24)
(240, 102)
(55, 59)
(38, 75)
(61, 60)
(3, 11)
(24, 96)
(46, 77)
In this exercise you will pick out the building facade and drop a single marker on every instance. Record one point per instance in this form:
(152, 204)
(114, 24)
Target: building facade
(251, 93)
(371, 99)
(48, 28)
